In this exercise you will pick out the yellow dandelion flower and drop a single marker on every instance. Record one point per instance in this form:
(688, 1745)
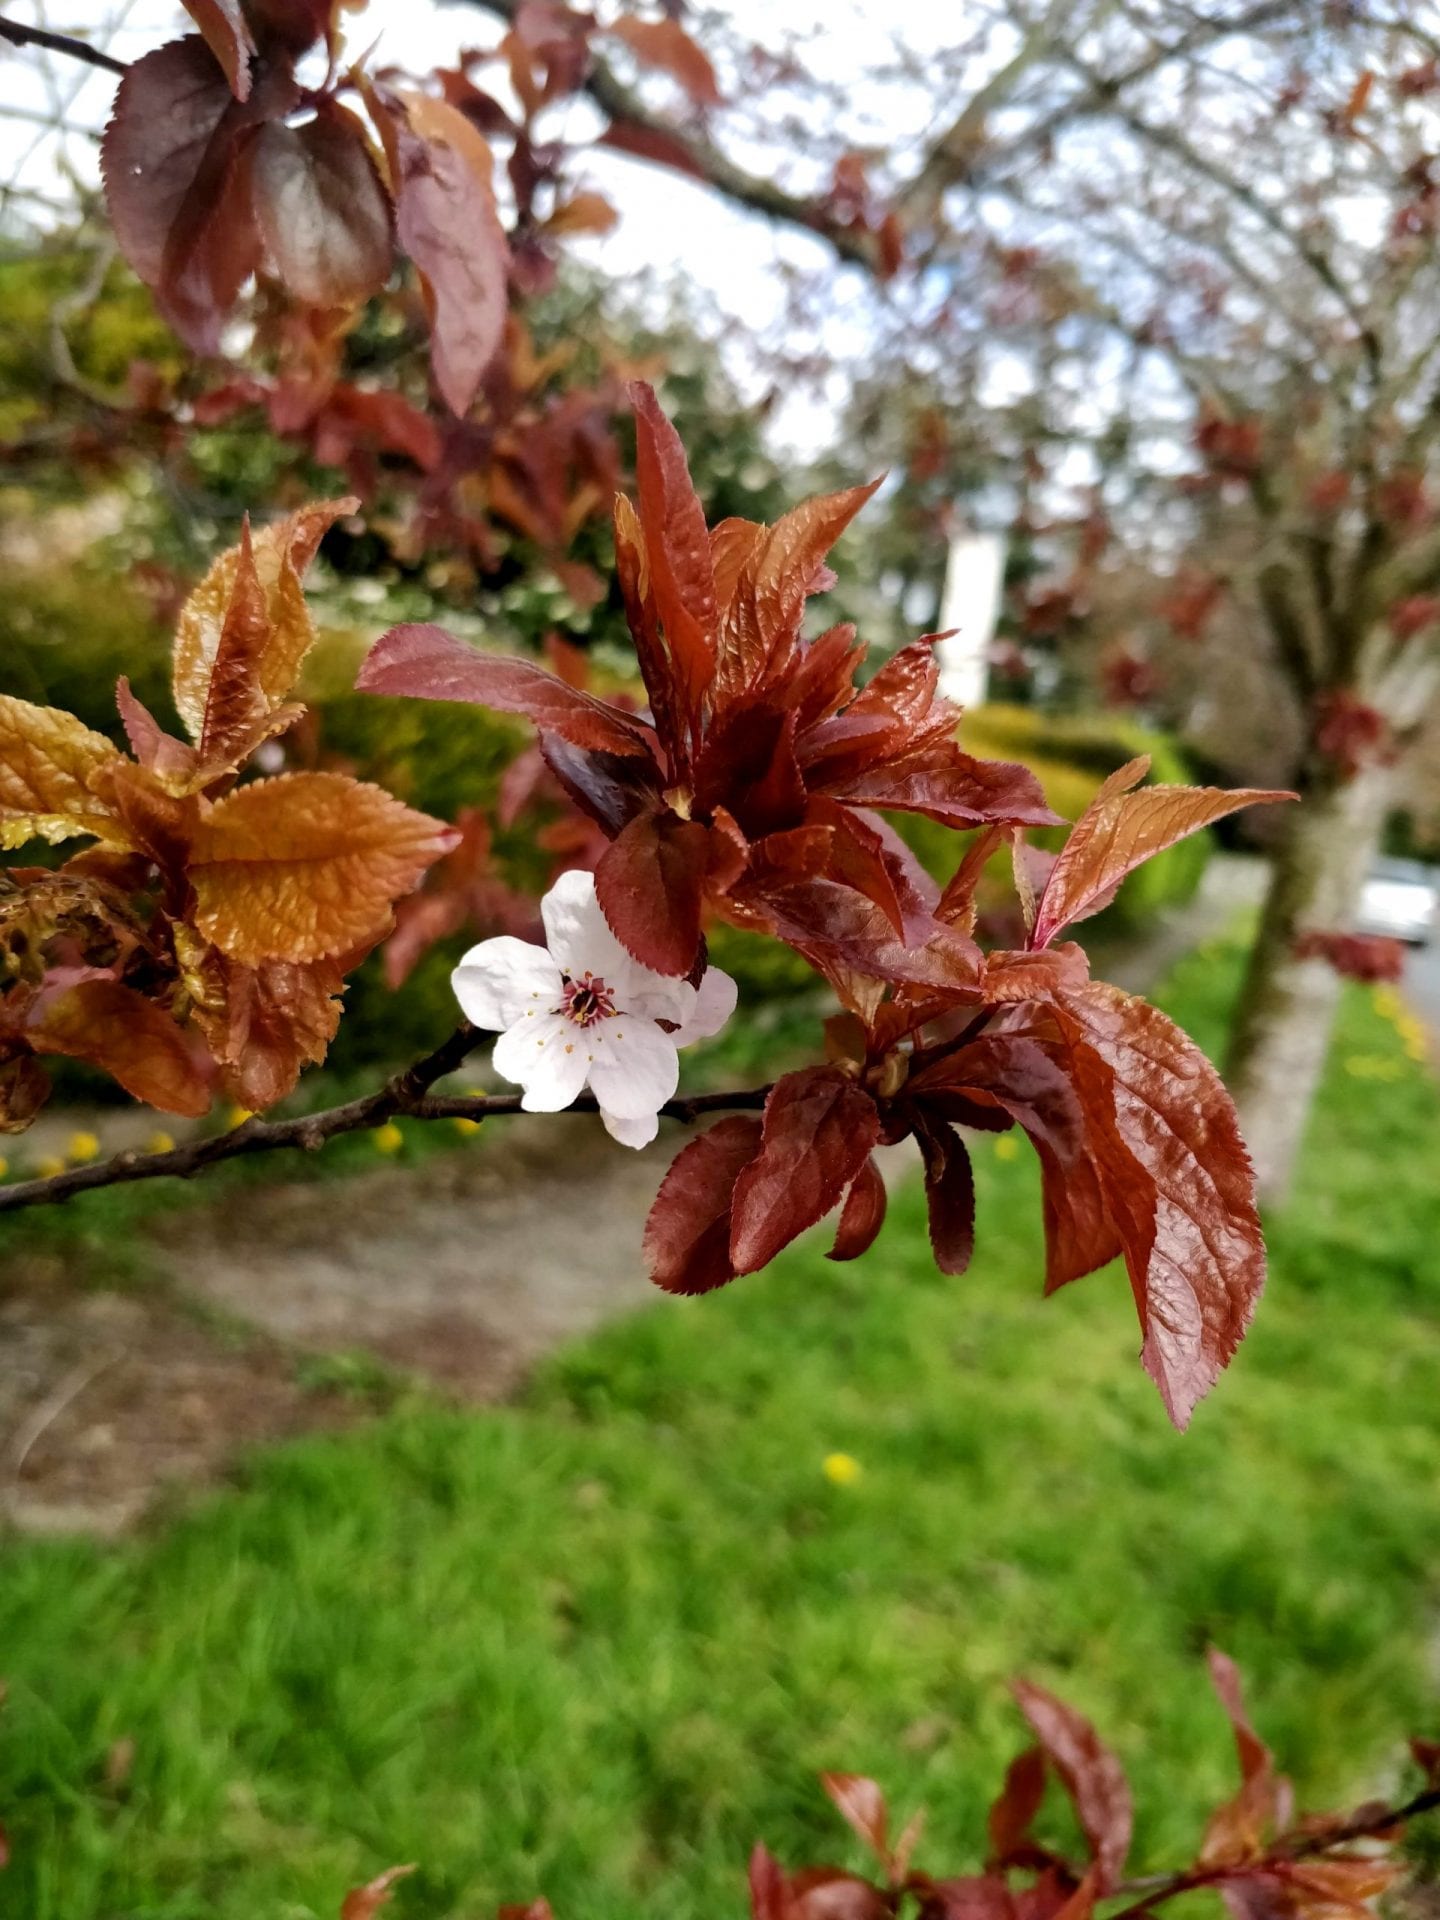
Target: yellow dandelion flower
(1007, 1147)
(388, 1139)
(48, 1165)
(160, 1142)
(82, 1146)
(463, 1124)
(841, 1469)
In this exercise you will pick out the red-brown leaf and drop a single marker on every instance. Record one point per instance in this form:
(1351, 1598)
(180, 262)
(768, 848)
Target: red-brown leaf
(175, 185)
(949, 1194)
(1120, 830)
(447, 221)
(228, 37)
(687, 1235)
(862, 1216)
(1093, 1778)
(1013, 1811)
(666, 45)
(863, 1806)
(643, 140)
(820, 1126)
(970, 1897)
(651, 886)
(127, 1036)
(677, 545)
(321, 209)
(427, 663)
(1182, 1193)
(363, 1903)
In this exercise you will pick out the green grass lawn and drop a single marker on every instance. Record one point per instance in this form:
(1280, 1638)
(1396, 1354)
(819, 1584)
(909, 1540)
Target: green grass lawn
(599, 1642)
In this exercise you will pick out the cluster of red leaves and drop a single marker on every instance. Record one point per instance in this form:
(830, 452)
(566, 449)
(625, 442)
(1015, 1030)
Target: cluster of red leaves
(220, 164)
(1351, 733)
(204, 938)
(1264, 1862)
(1370, 957)
(749, 790)
(208, 182)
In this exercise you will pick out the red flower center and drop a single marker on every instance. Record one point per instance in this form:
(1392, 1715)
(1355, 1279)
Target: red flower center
(587, 1000)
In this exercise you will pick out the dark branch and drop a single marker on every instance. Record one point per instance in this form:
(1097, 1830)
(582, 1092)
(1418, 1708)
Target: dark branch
(710, 166)
(1371, 1823)
(65, 43)
(406, 1096)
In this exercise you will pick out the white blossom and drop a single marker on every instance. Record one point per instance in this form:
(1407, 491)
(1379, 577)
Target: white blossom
(581, 1012)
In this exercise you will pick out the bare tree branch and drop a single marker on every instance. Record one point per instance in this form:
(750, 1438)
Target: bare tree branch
(65, 43)
(406, 1096)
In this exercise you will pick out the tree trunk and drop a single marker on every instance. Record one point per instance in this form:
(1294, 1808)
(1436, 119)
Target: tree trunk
(1287, 1005)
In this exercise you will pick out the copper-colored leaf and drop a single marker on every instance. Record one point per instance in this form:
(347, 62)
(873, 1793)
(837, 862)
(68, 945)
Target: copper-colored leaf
(427, 663)
(820, 1126)
(677, 546)
(306, 866)
(258, 662)
(322, 211)
(772, 583)
(263, 1024)
(127, 1036)
(863, 1805)
(665, 44)
(651, 885)
(1093, 1778)
(1118, 831)
(24, 1089)
(1183, 1199)
(583, 212)
(687, 1234)
(47, 761)
(227, 35)
(363, 1903)
(862, 1216)
(447, 221)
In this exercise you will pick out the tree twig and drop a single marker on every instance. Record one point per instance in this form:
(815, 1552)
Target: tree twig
(406, 1096)
(1368, 1824)
(66, 43)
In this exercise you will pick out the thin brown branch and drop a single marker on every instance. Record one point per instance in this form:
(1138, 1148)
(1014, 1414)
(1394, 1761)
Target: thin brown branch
(1369, 1824)
(65, 43)
(710, 166)
(406, 1096)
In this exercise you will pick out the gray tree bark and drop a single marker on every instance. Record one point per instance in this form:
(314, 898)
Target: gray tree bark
(1287, 1005)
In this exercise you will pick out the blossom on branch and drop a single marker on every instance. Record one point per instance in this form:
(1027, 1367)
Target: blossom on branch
(580, 1012)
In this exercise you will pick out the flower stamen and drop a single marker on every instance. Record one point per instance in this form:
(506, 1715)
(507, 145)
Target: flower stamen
(587, 999)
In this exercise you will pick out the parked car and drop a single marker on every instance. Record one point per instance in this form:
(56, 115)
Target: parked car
(1400, 898)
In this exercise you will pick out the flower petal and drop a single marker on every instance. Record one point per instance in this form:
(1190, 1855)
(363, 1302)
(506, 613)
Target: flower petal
(712, 1004)
(580, 941)
(631, 1133)
(636, 1068)
(576, 933)
(548, 1056)
(501, 980)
